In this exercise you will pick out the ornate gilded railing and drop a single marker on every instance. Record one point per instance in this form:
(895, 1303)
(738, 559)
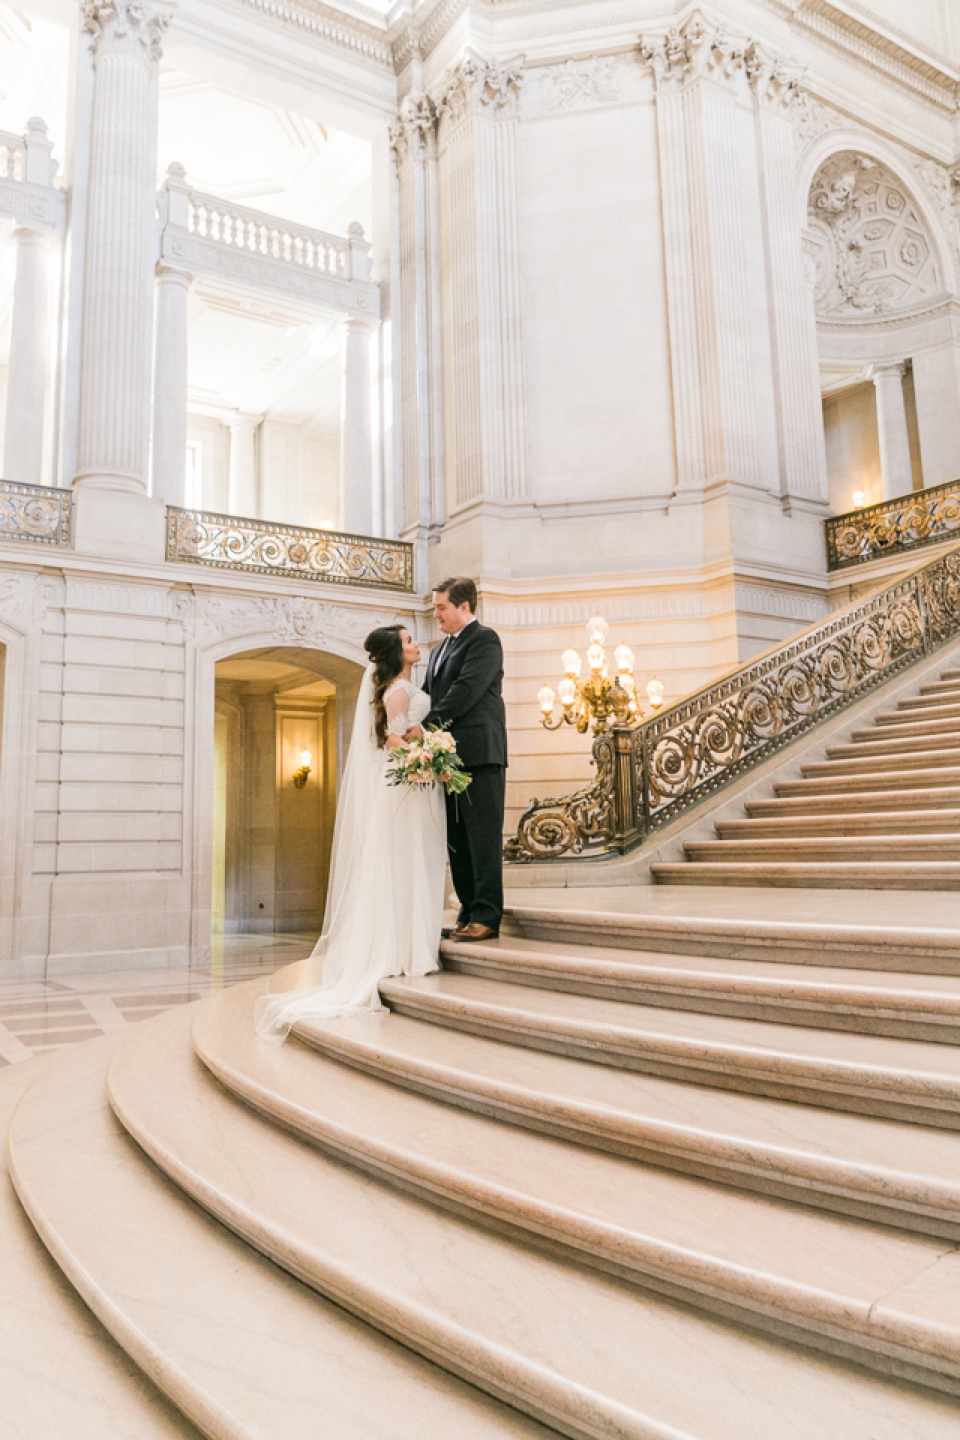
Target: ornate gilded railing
(921, 518)
(41, 514)
(230, 543)
(648, 774)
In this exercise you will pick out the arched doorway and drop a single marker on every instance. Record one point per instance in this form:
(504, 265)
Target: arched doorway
(282, 718)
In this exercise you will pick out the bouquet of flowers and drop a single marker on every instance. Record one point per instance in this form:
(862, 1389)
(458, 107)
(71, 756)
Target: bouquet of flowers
(430, 761)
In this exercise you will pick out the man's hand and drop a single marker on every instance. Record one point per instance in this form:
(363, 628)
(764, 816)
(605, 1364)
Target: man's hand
(414, 733)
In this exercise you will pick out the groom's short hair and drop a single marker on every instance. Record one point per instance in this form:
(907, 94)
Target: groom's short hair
(460, 590)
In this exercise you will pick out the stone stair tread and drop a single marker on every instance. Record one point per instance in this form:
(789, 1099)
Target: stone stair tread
(61, 1373)
(725, 1132)
(901, 1060)
(644, 1223)
(833, 874)
(886, 781)
(858, 759)
(841, 822)
(924, 845)
(868, 802)
(559, 1338)
(244, 1349)
(915, 742)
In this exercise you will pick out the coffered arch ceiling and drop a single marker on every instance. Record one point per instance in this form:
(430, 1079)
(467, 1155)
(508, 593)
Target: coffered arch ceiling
(874, 253)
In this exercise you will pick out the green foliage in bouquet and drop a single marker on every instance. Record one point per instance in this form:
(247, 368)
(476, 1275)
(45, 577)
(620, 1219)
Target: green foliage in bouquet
(431, 761)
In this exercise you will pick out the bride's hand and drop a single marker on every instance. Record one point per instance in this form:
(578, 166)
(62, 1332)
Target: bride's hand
(414, 733)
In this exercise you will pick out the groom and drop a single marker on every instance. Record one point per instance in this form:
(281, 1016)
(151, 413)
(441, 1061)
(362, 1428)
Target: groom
(465, 685)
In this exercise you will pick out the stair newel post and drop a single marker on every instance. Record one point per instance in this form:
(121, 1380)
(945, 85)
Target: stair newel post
(927, 638)
(626, 828)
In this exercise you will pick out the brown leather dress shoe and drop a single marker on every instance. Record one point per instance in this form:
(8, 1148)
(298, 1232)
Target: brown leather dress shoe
(450, 931)
(476, 931)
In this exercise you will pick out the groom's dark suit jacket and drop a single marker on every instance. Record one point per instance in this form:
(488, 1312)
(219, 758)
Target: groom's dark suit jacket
(465, 684)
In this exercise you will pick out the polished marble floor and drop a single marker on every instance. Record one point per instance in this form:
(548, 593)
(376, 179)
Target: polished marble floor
(41, 1015)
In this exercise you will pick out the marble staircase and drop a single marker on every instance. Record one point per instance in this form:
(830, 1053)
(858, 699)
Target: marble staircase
(674, 1165)
(881, 811)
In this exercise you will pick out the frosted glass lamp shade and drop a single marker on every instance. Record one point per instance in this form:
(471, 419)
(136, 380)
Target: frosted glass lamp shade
(596, 658)
(566, 692)
(572, 664)
(597, 629)
(655, 693)
(545, 699)
(624, 658)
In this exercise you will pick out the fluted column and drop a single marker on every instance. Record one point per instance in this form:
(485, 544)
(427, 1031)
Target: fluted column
(27, 364)
(356, 431)
(114, 421)
(243, 486)
(895, 463)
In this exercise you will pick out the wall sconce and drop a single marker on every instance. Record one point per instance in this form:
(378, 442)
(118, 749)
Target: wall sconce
(300, 776)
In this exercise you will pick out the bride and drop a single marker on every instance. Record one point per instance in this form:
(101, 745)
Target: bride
(385, 898)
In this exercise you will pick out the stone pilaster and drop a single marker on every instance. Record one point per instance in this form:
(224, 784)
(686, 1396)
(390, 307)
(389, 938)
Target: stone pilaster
(27, 362)
(244, 487)
(114, 419)
(485, 429)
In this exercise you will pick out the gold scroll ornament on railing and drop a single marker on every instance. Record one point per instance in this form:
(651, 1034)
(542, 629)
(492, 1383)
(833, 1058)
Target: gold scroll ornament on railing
(231, 543)
(921, 518)
(648, 774)
(42, 514)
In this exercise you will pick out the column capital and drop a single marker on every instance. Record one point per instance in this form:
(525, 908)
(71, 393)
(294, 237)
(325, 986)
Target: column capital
(887, 369)
(481, 87)
(698, 49)
(132, 27)
(413, 133)
(173, 275)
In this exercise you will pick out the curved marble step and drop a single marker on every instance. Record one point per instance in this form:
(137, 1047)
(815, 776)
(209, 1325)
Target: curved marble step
(922, 719)
(908, 1176)
(598, 1357)
(830, 781)
(874, 1075)
(813, 875)
(883, 1003)
(61, 1373)
(837, 821)
(883, 947)
(861, 849)
(760, 1259)
(244, 1350)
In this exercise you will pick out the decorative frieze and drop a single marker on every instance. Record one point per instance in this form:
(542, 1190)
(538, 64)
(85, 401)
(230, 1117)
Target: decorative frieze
(294, 620)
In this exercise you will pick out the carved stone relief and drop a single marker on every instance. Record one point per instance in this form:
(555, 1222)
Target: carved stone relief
(873, 253)
(577, 84)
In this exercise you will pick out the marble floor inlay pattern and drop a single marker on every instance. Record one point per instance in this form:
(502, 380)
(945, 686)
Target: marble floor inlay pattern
(41, 1015)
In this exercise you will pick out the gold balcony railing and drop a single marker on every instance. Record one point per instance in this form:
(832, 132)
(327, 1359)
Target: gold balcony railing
(921, 518)
(40, 514)
(228, 542)
(650, 773)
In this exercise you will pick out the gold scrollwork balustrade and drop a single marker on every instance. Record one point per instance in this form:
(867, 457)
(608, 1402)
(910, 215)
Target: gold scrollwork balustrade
(649, 773)
(921, 518)
(230, 543)
(41, 514)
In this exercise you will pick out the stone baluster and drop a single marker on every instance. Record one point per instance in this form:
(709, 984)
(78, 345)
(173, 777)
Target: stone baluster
(170, 362)
(896, 466)
(114, 421)
(27, 363)
(244, 488)
(356, 431)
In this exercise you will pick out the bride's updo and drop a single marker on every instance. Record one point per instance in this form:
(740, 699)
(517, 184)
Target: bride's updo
(385, 649)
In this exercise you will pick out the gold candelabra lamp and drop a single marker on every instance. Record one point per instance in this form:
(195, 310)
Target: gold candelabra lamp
(597, 701)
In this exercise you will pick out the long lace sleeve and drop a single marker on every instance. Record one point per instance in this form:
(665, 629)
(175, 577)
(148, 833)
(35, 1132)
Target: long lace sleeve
(397, 705)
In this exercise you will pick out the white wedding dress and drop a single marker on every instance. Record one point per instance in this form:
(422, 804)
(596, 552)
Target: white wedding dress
(385, 898)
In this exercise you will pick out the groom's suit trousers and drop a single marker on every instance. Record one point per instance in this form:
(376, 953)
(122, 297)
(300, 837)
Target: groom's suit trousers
(475, 844)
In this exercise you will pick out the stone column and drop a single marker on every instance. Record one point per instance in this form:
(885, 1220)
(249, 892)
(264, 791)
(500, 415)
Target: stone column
(170, 386)
(895, 463)
(27, 365)
(413, 138)
(356, 431)
(114, 420)
(485, 442)
(244, 487)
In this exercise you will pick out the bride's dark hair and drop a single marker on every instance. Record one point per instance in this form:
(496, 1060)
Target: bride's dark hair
(385, 649)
